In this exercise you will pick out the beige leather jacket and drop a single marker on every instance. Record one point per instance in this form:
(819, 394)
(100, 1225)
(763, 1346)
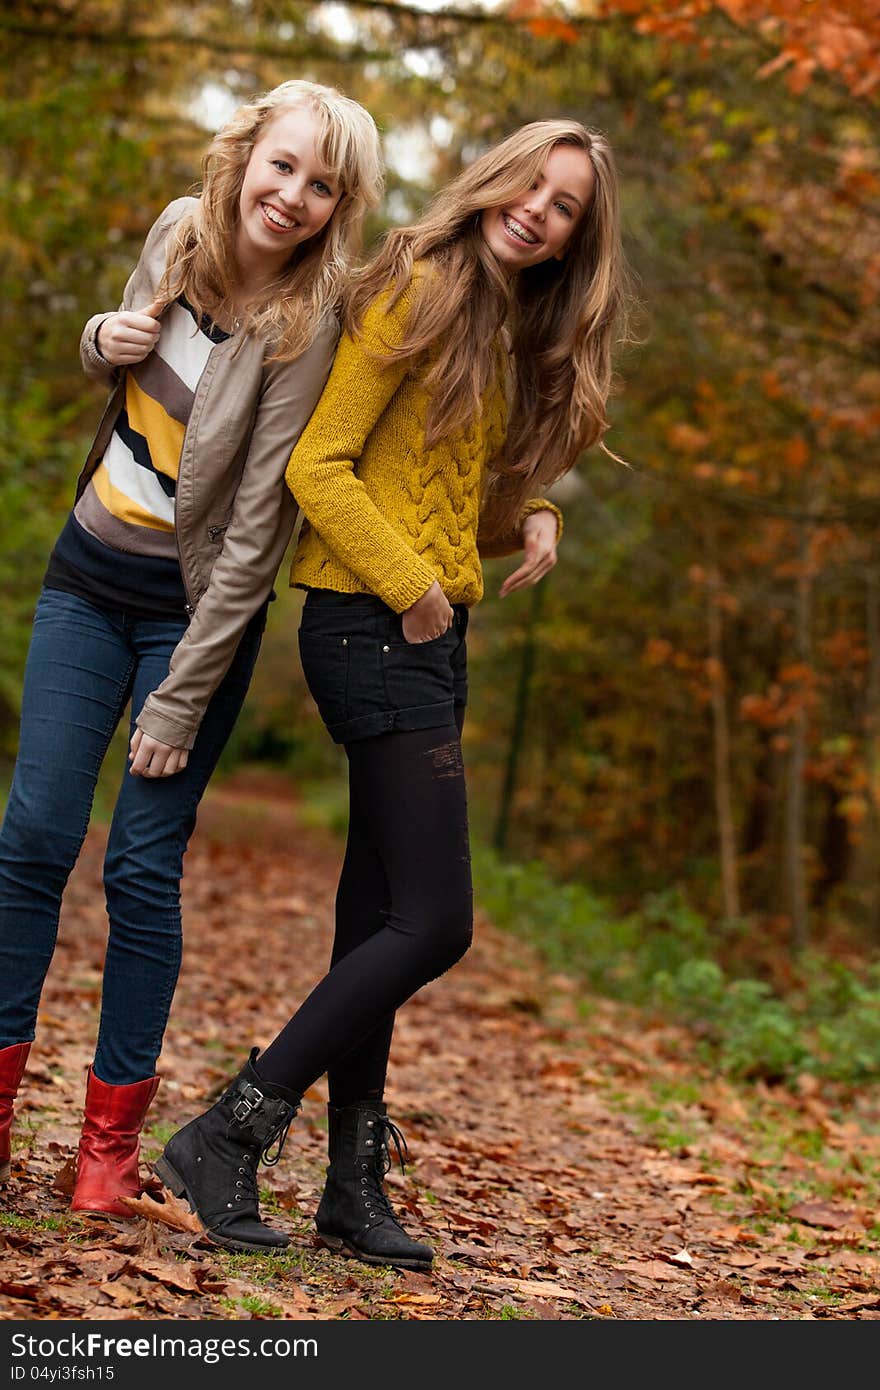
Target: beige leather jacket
(234, 513)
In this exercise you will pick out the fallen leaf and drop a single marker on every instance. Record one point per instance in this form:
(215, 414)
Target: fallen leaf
(65, 1178)
(414, 1298)
(122, 1294)
(650, 1269)
(172, 1211)
(820, 1214)
(168, 1272)
(538, 1288)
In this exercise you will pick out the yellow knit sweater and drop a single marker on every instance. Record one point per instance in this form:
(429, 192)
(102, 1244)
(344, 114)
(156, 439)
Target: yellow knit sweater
(385, 515)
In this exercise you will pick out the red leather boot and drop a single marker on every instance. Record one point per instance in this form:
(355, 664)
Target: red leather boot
(13, 1061)
(107, 1165)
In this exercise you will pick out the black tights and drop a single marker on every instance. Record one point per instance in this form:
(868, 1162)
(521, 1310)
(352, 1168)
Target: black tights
(404, 912)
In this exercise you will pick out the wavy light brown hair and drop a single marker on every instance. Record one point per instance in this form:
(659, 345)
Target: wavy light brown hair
(201, 255)
(563, 317)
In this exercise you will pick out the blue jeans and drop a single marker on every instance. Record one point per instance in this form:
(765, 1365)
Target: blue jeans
(84, 665)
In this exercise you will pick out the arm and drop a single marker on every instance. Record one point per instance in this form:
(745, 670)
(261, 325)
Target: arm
(537, 530)
(140, 290)
(253, 547)
(321, 474)
(540, 534)
(492, 543)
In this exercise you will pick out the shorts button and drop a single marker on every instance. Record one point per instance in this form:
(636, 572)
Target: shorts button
(386, 649)
(345, 641)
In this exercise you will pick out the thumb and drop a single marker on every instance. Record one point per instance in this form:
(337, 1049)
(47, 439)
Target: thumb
(153, 310)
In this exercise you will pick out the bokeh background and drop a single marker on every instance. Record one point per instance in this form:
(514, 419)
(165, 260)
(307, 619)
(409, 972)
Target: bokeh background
(674, 743)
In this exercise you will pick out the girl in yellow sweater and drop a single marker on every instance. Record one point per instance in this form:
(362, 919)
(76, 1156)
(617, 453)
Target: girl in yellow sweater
(475, 364)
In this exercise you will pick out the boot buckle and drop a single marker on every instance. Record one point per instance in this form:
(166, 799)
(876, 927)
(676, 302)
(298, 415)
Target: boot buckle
(251, 1099)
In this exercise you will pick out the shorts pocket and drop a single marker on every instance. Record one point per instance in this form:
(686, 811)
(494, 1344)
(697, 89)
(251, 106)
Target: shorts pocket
(325, 662)
(419, 673)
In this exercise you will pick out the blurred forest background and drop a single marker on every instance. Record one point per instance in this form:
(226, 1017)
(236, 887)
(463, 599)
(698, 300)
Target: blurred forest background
(674, 743)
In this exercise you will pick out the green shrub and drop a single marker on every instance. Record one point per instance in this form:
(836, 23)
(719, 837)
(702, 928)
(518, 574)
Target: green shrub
(661, 957)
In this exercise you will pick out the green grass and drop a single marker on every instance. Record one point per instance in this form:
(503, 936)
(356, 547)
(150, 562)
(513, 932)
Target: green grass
(32, 1223)
(261, 1306)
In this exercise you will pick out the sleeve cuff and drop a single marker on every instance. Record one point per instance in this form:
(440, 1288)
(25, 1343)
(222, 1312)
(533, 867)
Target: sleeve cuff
(540, 504)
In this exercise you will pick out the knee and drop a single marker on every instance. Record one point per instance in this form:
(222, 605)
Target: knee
(136, 877)
(32, 844)
(449, 937)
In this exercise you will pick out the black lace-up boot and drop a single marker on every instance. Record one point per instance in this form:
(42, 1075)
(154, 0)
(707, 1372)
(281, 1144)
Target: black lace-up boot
(354, 1213)
(213, 1160)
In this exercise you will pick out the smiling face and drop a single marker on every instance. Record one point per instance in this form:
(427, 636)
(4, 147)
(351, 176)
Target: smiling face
(287, 194)
(538, 223)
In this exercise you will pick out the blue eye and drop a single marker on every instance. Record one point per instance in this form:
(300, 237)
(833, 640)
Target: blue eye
(283, 165)
(563, 207)
(322, 188)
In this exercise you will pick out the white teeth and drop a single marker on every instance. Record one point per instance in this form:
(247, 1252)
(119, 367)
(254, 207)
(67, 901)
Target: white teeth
(276, 217)
(519, 230)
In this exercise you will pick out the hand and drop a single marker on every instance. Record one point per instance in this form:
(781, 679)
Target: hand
(539, 544)
(429, 617)
(150, 758)
(129, 337)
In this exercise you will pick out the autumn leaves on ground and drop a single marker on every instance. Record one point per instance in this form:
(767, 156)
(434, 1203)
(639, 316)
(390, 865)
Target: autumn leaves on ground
(565, 1162)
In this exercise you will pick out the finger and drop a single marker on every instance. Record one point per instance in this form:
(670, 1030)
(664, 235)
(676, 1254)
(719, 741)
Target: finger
(150, 757)
(521, 580)
(515, 580)
(141, 762)
(130, 341)
(135, 743)
(151, 311)
(139, 331)
(144, 323)
(533, 576)
(175, 762)
(124, 357)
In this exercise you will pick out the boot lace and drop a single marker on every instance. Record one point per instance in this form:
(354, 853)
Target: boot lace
(388, 1130)
(279, 1138)
(374, 1191)
(247, 1181)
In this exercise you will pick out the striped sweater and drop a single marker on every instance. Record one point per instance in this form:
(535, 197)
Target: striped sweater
(119, 546)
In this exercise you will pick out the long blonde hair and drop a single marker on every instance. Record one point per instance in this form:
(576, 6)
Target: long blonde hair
(201, 254)
(563, 316)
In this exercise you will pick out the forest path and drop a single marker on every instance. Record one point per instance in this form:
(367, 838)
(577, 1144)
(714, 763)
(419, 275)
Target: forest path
(564, 1164)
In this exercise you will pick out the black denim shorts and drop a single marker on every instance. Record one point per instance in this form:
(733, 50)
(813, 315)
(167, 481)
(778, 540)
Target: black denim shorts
(366, 679)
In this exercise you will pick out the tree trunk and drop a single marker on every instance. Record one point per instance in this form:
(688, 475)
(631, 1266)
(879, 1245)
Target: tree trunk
(795, 810)
(518, 729)
(864, 871)
(721, 749)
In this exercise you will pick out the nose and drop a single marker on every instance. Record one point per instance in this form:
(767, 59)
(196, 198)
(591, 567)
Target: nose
(293, 192)
(535, 203)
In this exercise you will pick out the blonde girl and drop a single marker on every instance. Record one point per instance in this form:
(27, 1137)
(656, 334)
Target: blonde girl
(156, 591)
(475, 367)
